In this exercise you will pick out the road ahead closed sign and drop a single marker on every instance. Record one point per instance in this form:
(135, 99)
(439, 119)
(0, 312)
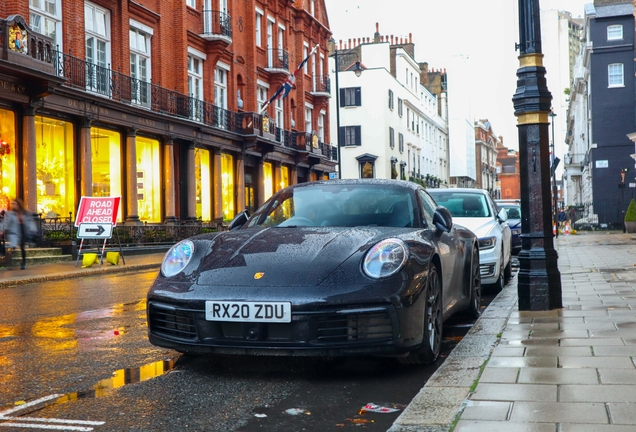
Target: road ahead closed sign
(95, 210)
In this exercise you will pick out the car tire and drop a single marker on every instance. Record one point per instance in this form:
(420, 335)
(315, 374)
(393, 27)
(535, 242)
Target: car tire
(433, 319)
(474, 308)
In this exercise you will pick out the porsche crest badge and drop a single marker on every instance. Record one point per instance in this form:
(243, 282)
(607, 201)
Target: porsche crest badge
(258, 275)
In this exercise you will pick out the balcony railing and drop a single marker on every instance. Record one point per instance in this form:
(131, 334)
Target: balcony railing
(322, 84)
(217, 23)
(104, 81)
(277, 59)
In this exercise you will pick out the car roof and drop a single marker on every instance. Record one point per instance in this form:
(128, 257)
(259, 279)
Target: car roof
(460, 190)
(376, 182)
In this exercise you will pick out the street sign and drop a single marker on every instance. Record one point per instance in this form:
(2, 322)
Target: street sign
(97, 210)
(95, 230)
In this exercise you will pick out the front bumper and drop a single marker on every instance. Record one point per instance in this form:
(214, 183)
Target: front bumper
(489, 267)
(325, 332)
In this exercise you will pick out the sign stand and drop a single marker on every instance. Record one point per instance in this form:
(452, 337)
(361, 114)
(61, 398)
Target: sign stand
(96, 219)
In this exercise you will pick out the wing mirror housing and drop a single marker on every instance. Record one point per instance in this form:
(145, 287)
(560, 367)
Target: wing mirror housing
(503, 215)
(442, 219)
(239, 220)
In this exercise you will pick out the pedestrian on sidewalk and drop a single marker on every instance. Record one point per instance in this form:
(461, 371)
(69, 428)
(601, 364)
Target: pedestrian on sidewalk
(18, 224)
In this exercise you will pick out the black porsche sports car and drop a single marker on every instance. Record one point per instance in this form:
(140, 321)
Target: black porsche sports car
(329, 268)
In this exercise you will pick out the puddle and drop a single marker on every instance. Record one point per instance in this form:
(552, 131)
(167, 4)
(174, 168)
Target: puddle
(119, 379)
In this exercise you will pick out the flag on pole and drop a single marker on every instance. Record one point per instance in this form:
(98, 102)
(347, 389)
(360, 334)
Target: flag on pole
(285, 87)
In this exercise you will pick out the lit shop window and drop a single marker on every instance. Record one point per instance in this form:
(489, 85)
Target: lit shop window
(106, 164)
(54, 166)
(227, 186)
(268, 180)
(284, 176)
(148, 180)
(7, 159)
(202, 179)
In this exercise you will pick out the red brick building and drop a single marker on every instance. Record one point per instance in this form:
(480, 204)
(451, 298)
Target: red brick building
(508, 172)
(159, 102)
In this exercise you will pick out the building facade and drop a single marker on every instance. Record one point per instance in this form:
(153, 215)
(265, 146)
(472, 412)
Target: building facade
(508, 173)
(389, 122)
(161, 103)
(486, 151)
(612, 108)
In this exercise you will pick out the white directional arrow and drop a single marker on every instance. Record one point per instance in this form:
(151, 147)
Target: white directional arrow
(95, 230)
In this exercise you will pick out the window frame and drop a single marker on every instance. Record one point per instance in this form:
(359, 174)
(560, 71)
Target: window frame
(351, 96)
(351, 133)
(611, 75)
(610, 36)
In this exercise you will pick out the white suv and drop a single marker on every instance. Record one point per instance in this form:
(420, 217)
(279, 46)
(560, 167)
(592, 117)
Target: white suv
(475, 209)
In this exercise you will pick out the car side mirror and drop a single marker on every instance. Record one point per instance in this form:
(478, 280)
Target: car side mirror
(503, 215)
(442, 219)
(239, 220)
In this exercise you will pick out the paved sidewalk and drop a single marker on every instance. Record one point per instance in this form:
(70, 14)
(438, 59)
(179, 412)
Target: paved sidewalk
(566, 370)
(11, 276)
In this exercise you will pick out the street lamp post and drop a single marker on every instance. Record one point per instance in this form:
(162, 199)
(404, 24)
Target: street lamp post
(621, 185)
(555, 201)
(539, 280)
(357, 69)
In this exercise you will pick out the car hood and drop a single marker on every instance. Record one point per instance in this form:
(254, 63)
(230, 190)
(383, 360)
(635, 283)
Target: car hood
(482, 227)
(279, 256)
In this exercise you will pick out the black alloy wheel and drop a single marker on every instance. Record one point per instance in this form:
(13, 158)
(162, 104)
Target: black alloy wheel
(433, 319)
(474, 308)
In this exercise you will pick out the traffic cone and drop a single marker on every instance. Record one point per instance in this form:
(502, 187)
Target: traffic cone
(567, 228)
(554, 229)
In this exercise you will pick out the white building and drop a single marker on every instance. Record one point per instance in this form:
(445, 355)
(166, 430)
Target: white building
(560, 37)
(389, 122)
(577, 167)
(460, 123)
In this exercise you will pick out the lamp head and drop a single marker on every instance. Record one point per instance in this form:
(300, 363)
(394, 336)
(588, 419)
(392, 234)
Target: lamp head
(357, 68)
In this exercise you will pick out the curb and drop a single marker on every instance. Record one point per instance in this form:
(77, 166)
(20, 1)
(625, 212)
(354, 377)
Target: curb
(442, 399)
(78, 274)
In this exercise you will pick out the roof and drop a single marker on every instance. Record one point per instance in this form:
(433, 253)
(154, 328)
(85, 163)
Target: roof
(606, 11)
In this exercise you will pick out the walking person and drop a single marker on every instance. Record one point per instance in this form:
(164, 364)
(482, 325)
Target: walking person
(17, 226)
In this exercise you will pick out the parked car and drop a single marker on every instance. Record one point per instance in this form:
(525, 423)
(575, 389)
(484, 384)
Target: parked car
(475, 209)
(513, 209)
(329, 268)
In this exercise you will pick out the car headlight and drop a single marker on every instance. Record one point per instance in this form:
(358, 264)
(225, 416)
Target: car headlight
(177, 258)
(516, 231)
(487, 243)
(385, 258)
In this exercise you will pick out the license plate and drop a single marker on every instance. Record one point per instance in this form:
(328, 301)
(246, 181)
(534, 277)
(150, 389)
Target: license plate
(248, 311)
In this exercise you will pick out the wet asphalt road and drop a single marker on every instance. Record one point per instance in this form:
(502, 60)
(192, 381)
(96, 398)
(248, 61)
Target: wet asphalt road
(74, 356)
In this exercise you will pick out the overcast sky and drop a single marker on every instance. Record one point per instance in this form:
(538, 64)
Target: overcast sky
(485, 31)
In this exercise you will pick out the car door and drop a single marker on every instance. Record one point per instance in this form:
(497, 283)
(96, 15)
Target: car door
(447, 247)
(506, 234)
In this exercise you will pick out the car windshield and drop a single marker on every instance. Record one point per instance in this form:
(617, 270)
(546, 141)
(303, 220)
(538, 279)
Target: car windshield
(337, 205)
(463, 204)
(514, 212)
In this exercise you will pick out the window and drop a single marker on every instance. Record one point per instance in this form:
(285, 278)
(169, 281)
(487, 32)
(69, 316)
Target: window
(312, 7)
(391, 99)
(614, 32)
(391, 137)
(400, 108)
(46, 18)
(308, 115)
(220, 97)
(280, 117)
(97, 36)
(321, 126)
(261, 96)
(259, 29)
(270, 42)
(615, 75)
(350, 96)
(140, 66)
(401, 142)
(192, 3)
(351, 135)
(429, 206)
(195, 85)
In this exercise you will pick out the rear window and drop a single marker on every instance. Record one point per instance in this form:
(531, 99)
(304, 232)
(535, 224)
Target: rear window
(462, 204)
